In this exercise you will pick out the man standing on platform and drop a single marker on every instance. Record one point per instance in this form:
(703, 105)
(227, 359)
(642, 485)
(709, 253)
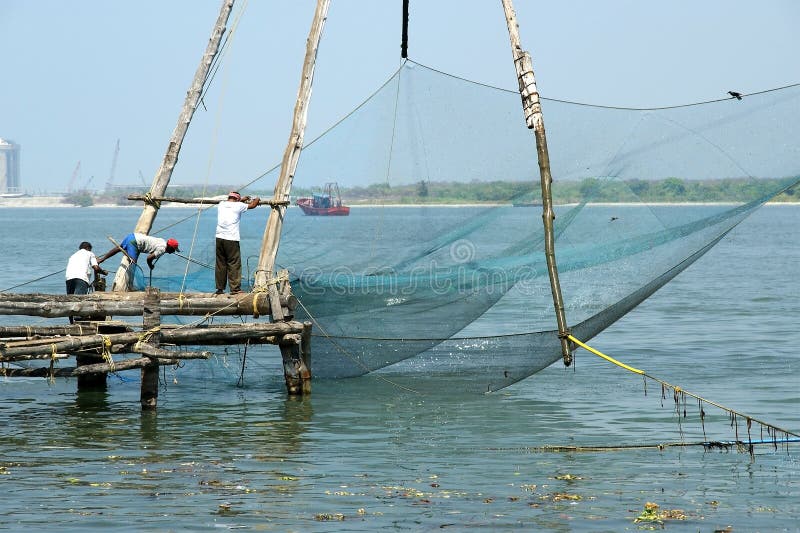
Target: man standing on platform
(228, 268)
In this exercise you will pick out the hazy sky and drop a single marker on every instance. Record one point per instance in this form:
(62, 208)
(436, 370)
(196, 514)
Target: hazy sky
(78, 75)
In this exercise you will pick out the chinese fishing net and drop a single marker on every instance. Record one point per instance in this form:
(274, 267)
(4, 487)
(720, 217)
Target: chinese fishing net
(439, 269)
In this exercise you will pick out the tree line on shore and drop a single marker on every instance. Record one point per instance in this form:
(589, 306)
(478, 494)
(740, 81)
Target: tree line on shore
(669, 190)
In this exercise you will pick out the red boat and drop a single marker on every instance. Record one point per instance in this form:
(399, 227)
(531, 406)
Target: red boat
(326, 203)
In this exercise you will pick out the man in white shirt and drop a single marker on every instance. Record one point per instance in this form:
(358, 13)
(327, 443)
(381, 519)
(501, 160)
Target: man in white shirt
(80, 270)
(228, 268)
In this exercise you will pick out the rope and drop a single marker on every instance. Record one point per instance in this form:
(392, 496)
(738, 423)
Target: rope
(657, 446)
(516, 91)
(680, 394)
(106, 352)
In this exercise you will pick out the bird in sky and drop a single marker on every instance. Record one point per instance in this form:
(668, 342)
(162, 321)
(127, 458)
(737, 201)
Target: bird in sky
(736, 95)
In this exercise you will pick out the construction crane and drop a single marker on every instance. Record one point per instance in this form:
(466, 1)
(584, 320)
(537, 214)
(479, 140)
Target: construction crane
(110, 182)
(85, 188)
(141, 177)
(74, 176)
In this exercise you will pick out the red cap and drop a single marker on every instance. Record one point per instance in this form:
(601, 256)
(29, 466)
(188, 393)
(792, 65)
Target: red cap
(235, 195)
(174, 244)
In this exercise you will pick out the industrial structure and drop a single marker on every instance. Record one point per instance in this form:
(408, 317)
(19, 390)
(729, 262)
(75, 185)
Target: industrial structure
(9, 168)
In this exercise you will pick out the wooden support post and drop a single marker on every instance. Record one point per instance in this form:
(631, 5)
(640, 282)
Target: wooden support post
(297, 375)
(283, 187)
(532, 108)
(305, 357)
(90, 382)
(151, 321)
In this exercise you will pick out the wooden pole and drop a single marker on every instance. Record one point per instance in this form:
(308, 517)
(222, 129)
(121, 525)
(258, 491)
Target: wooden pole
(151, 324)
(162, 177)
(404, 43)
(130, 304)
(43, 372)
(533, 117)
(207, 201)
(283, 187)
(305, 357)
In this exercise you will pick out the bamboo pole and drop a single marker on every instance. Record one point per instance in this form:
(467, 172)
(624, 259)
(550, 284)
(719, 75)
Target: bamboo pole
(228, 334)
(162, 177)
(130, 304)
(533, 117)
(208, 201)
(99, 368)
(283, 187)
(35, 331)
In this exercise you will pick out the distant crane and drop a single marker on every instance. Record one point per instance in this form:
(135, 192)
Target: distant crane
(141, 177)
(74, 176)
(85, 188)
(110, 182)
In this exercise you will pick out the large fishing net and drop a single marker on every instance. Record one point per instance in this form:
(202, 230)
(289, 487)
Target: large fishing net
(406, 286)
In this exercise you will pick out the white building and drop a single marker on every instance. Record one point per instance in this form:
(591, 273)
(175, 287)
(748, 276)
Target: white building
(9, 167)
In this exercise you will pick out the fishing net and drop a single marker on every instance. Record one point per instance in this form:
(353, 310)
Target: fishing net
(440, 270)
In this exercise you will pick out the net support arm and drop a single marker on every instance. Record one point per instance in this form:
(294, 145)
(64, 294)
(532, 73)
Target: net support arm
(269, 247)
(161, 180)
(162, 177)
(533, 117)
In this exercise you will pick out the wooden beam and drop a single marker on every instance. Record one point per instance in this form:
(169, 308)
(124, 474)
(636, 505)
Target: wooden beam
(226, 334)
(162, 177)
(43, 372)
(130, 304)
(35, 331)
(204, 201)
(532, 109)
(283, 187)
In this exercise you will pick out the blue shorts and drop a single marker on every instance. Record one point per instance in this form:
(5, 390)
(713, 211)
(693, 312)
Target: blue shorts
(129, 245)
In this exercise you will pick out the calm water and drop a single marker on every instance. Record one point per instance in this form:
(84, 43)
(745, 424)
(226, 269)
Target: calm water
(363, 454)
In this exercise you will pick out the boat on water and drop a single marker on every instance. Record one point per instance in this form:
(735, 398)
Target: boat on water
(326, 203)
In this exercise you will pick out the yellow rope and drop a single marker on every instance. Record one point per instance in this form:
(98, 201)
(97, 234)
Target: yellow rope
(106, 351)
(148, 199)
(678, 391)
(604, 356)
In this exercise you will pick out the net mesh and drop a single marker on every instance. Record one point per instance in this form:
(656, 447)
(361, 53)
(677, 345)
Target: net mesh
(413, 282)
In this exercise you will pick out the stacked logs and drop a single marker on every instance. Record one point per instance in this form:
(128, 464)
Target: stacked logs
(94, 343)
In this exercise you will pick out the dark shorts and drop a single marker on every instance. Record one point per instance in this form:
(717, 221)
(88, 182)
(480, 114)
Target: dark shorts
(77, 286)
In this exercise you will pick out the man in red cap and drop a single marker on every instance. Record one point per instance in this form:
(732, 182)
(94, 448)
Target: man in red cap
(228, 268)
(131, 246)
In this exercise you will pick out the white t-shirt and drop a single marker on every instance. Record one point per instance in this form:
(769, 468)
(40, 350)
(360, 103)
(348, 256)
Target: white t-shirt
(228, 216)
(150, 245)
(80, 265)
